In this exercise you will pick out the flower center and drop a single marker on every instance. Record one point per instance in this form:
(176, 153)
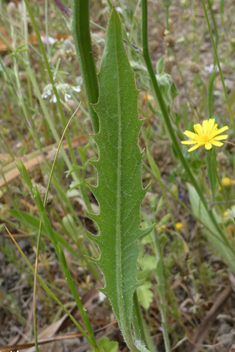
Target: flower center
(205, 138)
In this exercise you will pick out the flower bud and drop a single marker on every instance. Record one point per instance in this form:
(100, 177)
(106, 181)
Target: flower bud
(166, 3)
(222, 159)
(194, 67)
(169, 40)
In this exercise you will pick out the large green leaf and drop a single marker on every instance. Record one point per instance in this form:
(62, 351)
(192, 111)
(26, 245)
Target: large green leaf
(119, 190)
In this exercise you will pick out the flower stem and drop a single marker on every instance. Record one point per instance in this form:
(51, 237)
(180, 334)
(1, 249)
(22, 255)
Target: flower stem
(167, 17)
(167, 119)
(218, 63)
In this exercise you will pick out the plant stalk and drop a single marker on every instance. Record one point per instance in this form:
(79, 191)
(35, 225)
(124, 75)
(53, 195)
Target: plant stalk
(83, 44)
(167, 119)
(218, 64)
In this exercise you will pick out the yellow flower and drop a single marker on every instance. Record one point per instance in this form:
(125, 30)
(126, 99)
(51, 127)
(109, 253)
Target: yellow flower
(205, 134)
(178, 225)
(226, 181)
(226, 213)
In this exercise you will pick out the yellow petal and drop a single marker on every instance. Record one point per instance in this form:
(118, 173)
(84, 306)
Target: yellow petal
(214, 130)
(208, 146)
(205, 126)
(188, 142)
(193, 148)
(218, 138)
(218, 144)
(211, 124)
(191, 135)
(198, 129)
(225, 128)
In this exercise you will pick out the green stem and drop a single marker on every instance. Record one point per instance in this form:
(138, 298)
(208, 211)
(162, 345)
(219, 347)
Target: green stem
(167, 119)
(214, 23)
(218, 178)
(166, 201)
(82, 40)
(161, 289)
(167, 17)
(35, 288)
(25, 22)
(218, 64)
(141, 333)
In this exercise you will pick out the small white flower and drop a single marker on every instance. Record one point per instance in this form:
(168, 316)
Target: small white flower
(119, 9)
(76, 89)
(62, 88)
(53, 99)
(48, 40)
(47, 91)
(44, 95)
(67, 97)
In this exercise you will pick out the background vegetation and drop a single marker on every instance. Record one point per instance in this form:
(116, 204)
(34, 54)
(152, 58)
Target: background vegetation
(187, 263)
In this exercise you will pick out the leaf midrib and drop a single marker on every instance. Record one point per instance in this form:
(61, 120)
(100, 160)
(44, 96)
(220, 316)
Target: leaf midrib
(119, 280)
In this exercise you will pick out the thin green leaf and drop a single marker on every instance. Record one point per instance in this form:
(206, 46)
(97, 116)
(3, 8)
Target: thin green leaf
(160, 65)
(221, 7)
